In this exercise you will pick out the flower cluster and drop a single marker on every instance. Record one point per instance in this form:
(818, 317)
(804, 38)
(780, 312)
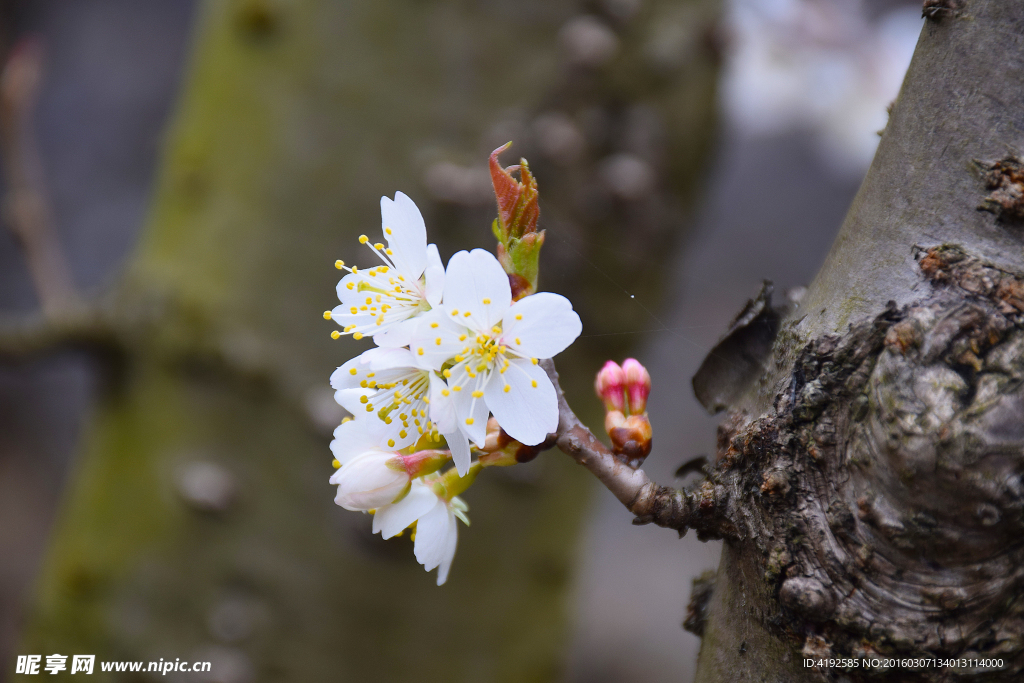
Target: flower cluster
(452, 349)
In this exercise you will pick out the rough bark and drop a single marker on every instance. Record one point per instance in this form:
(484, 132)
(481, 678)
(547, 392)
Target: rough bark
(879, 460)
(200, 523)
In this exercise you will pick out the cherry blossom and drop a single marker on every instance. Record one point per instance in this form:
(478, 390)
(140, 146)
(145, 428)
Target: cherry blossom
(487, 349)
(381, 300)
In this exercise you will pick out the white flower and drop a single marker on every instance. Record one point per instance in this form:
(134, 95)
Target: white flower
(436, 529)
(364, 480)
(493, 346)
(378, 301)
(385, 385)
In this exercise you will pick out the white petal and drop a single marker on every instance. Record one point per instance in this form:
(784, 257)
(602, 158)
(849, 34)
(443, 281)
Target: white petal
(436, 340)
(442, 408)
(366, 482)
(408, 238)
(391, 519)
(526, 412)
(433, 276)
(396, 334)
(433, 536)
(449, 551)
(472, 278)
(349, 399)
(353, 438)
(471, 411)
(458, 444)
(541, 325)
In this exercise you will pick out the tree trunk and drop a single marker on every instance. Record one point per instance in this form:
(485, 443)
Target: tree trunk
(873, 478)
(199, 523)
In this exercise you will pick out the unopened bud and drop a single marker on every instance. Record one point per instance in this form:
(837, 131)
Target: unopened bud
(501, 450)
(419, 463)
(610, 386)
(638, 385)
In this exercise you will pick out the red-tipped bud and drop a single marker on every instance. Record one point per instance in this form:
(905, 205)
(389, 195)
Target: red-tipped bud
(610, 386)
(638, 385)
(419, 463)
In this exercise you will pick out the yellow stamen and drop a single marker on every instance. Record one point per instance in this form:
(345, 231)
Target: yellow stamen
(339, 264)
(327, 315)
(335, 334)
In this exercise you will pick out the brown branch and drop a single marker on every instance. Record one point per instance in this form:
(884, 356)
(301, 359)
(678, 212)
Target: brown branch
(701, 510)
(38, 334)
(26, 209)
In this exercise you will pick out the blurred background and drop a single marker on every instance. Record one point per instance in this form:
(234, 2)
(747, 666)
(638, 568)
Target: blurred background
(163, 490)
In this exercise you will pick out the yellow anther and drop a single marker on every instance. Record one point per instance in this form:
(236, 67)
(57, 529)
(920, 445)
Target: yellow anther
(508, 388)
(351, 285)
(533, 383)
(339, 264)
(437, 341)
(487, 302)
(345, 419)
(355, 270)
(357, 336)
(456, 388)
(518, 341)
(519, 316)
(419, 352)
(364, 384)
(364, 399)
(455, 311)
(447, 373)
(363, 239)
(349, 328)
(462, 337)
(369, 407)
(469, 420)
(496, 330)
(466, 314)
(371, 374)
(533, 360)
(387, 231)
(335, 334)
(353, 371)
(389, 253)
(353, 310)
(391, 443)
(327, 315)
(444, 392)
(501, 349)
(378, 246)
(478, 394)
(335, 463)
(403, 434)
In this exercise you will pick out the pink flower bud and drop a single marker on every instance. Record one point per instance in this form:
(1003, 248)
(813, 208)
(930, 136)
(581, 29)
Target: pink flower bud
(638, 385)
(610, 386)
(420, 462)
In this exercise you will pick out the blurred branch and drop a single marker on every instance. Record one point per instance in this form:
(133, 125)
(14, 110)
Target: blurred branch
(665, 506)
(40, 333)
(25, 207)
